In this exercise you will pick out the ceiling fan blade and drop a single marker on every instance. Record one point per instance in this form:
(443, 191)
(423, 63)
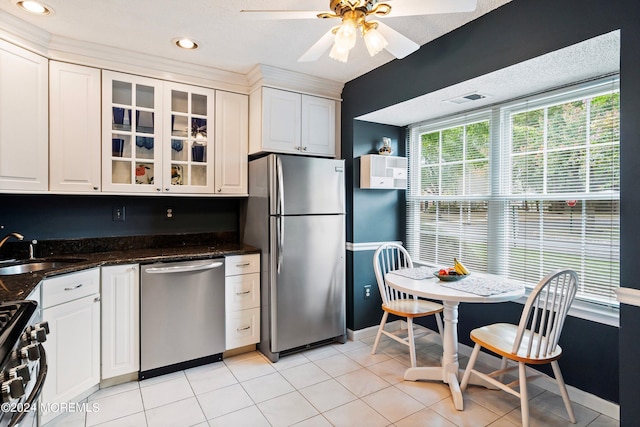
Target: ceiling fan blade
(287, 9)
(318, 48)
(280, 14)
(429, 7)
(399, 46)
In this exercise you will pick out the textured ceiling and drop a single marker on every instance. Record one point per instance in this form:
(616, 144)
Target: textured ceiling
(227, 41)
(595, 57)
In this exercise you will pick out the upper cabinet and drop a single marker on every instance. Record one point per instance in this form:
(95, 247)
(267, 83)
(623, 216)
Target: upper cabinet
(232, 143)
(289, 122)
(166, 137)
(24, 151)
(188, 143)
(74, 131)
(131, 133)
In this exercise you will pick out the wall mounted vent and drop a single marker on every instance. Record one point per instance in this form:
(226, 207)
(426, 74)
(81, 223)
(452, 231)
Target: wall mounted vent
(467, 98)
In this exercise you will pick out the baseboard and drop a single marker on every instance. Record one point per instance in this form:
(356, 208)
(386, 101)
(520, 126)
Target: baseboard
(545, 382)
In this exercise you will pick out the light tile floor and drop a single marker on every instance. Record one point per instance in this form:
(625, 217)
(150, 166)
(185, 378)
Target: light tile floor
(335, 385)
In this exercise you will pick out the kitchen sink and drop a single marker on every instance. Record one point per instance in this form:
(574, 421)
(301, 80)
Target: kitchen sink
(22, 267)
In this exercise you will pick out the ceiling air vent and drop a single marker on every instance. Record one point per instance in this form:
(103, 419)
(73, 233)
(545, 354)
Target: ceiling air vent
(466, 98)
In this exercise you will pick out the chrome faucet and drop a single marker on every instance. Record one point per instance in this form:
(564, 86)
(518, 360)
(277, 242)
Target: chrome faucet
(5, 238)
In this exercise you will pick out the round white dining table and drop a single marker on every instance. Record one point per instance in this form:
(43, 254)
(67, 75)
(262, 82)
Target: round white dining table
(432, 288)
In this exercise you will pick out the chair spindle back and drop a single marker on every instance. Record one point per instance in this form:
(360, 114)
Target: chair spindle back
(544, 313)
(390, 257)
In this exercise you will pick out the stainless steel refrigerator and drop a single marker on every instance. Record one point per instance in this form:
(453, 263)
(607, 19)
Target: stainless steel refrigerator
(296, 216)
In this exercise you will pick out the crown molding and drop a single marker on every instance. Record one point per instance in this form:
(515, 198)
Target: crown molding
(106, 57)
(279, 78)
(21, 33)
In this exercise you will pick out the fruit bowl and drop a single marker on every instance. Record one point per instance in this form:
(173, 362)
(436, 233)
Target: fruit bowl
(450, 277)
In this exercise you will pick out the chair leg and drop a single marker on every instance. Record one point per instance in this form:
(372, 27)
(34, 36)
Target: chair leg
(503, 366)
(382, 323)
(412, 344)
(563, 390)
(467, 372)
(524, 395)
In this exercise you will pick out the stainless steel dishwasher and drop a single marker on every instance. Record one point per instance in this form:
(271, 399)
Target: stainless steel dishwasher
(181, 315)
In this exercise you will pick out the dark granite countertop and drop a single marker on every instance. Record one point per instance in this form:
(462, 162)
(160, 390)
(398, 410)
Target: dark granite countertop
(19, 286)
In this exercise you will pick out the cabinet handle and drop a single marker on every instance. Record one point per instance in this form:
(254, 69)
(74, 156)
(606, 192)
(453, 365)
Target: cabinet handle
(243, 293)
(97, 299)
(73, 287)
(243, 329)
(243, 264)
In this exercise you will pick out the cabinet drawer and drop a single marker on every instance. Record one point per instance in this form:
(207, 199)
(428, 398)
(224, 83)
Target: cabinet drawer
(381, 182)
(242, 328)
(242, 292)
(69, 287)
(242, 264)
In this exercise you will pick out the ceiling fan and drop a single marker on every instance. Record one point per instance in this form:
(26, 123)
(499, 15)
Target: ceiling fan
(354, 15)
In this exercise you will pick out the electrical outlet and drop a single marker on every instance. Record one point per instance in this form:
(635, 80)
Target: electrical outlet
(117, 213)
(169, 214)
(367, 291)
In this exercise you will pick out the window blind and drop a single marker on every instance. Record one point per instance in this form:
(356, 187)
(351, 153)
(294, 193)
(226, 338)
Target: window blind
(523, 189)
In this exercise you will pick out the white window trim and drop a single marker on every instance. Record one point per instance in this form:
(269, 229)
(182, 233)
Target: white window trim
(498, 116)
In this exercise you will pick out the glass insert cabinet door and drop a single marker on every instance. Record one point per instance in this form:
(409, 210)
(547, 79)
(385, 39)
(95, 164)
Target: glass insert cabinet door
(132, 137)
(189, 126)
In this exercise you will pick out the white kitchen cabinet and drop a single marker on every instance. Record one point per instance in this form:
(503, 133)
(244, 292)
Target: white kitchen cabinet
(71, 305)
(188, 142)
(383, 172)
(74, 131)
(131, 133)
(289, 122)
(231, 143)
(24, 120)
(242, 300)
(120, 294)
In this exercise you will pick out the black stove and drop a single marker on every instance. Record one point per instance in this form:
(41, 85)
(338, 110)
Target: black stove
(22, 362)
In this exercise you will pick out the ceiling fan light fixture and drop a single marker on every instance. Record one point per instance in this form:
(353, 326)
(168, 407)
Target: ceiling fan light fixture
(374, 41)
(346, 35)
(339, 54)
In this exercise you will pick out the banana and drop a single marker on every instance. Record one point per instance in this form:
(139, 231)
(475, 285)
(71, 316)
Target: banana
(459, 267)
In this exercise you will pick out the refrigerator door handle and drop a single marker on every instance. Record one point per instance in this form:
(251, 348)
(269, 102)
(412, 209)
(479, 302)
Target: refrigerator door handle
(280, 186)
(280, 231)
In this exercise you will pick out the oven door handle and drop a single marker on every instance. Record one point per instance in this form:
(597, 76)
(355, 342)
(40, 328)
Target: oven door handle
(37, 388)
(183, 268)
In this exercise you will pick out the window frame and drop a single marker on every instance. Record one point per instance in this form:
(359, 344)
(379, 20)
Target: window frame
(499, 158)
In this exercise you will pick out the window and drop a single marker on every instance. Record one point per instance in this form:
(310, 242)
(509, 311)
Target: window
(523, 189)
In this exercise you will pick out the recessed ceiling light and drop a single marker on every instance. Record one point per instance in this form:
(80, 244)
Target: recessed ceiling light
(185, 43)
(34, 7)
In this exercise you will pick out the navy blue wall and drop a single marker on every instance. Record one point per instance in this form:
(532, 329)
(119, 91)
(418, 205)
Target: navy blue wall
(516, 32)
(58, 217)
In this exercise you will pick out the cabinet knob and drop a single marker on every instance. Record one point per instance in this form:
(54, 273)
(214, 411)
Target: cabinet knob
(166, 189)
(158, 189)
(96, 188)
(219, 190)
(304, 148)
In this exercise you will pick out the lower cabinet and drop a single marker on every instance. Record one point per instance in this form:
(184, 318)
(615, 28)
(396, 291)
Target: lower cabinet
(242, 300)
(71, 305)
(120, 320)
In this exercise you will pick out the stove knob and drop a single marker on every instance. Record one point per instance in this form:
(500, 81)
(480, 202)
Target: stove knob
(12, 389)
(30, 352)
(43, 325)
(21, 371)
(38, 334)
